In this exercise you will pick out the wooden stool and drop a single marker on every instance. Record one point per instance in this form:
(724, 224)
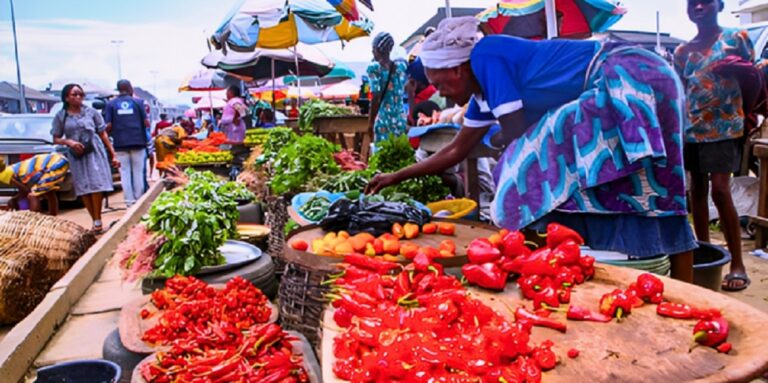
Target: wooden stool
(351, 132)
(437, 139)
(761, 220)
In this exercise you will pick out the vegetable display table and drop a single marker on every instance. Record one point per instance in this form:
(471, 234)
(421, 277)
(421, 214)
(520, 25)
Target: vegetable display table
(644, 347)
(334, 129)
(761, 220)
(437, 139)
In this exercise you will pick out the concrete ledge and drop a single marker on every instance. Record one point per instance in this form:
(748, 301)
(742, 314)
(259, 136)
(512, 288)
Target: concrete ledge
(24, 342)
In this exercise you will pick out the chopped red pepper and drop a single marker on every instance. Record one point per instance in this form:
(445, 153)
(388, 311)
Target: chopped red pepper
(685, 311)
(482, 251)
(615, 304)
(487, 275)
(523, 315)
(582, 314)
(711, 332)
(649, 288)
(573, 353)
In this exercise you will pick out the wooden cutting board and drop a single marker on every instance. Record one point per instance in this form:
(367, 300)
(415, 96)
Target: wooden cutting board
(132, 327)
(644, 347)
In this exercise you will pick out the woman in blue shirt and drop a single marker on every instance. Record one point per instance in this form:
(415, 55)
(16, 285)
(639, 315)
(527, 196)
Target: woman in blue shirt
(591, 135)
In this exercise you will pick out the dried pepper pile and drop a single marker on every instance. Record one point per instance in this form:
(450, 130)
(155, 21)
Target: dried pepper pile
(193, 311)
(422, 326)
(218, 336)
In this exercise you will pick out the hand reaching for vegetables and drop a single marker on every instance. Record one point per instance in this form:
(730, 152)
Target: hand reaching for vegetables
(380, 182)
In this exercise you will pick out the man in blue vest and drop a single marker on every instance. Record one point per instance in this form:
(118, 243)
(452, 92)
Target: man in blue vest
(127, 123)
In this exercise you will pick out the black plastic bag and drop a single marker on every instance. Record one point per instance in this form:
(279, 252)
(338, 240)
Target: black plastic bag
(375, 218)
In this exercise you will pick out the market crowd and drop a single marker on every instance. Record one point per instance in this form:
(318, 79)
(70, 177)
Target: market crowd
(607, 138)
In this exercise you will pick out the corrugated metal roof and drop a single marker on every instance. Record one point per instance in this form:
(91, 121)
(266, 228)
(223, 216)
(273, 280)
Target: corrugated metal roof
(11, 91)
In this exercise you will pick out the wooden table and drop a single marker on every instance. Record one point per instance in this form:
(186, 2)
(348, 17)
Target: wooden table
(761, 220)
(343, 128)
(437, 139)
(644, 347)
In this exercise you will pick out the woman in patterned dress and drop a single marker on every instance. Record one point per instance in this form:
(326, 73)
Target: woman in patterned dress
(387, 115)
(713, 139)
(591, 135)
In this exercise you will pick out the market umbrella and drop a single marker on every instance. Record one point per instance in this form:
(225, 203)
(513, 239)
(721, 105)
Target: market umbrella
(527, 18)
(347, 8)
(210, 102)
(340, 91)
(340, 72)
(191, 113)
(208, 80)
(261, 64)
(279, 24)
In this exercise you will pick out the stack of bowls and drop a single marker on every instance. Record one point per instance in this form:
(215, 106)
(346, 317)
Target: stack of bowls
(657, 265)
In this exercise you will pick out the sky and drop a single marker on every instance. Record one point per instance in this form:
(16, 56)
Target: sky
(163, 41)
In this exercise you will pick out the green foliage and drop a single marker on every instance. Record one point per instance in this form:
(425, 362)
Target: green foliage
(396, 153)
(300, 161)
(196, 220)
(277, 138)
(318, 108)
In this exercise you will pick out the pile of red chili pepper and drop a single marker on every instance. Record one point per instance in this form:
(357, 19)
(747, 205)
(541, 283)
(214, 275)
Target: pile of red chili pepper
(546, 275)
(218, 336)
(262, 355)
(192, 309)
(420, 325)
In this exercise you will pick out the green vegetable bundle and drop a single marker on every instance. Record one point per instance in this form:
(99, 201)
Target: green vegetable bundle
(196, 220)
(319, 108)
(277, 138)
(396, 153)
(257, 136)
(300, 161)
(201, 158)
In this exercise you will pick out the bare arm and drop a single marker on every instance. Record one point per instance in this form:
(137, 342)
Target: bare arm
(451, 155)
(513, 126)
(110, 149)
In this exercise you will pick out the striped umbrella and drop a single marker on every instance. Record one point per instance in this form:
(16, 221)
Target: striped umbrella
(280, 24)
(526, 18)
(347, 8)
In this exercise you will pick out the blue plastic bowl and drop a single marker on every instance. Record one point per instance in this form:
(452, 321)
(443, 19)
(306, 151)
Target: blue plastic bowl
(80, 371)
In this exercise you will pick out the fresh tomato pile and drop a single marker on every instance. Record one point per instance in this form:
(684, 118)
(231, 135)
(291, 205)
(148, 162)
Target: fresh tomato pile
(264, 355)
(194, 311)
(423, 326)
(546, 275)
(388, 245)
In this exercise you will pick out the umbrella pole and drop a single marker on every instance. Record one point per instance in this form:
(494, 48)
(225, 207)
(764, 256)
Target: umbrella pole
(448, 11)
(298, 75)
(551, 14)
(274, 99)
(210, 105)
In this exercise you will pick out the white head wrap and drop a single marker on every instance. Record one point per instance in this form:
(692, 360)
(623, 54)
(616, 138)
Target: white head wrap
(451, 44)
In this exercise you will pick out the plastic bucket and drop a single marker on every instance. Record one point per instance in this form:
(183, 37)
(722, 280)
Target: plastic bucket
(708, 262)
(80, 371)
(462, 208)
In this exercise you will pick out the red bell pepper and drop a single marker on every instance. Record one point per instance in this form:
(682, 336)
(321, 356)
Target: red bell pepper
(711, 332)
(482, 251)
(523, 315)
(398, 230)
(513, 245)
(557, 234)
(369, 263)
(567, 253)
(582, 314)
(615, 304)
(544, 357)
(487, 275)
(649, 288)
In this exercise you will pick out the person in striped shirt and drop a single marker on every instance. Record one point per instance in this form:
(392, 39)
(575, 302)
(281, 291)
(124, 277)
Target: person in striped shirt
(36, 178)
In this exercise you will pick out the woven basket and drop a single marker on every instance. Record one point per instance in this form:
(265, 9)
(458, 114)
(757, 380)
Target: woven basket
(302, 294)
(60, 241)
(21, 274)
(276, 218)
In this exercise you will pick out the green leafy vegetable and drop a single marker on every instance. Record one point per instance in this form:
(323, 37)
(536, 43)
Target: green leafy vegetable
(301, 160)
(196, 220)
(319, 108)
(277, 138)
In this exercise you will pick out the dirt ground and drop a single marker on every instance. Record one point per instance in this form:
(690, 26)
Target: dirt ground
(757, 269)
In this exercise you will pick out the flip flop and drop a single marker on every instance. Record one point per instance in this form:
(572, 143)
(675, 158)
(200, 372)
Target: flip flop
(726, 286)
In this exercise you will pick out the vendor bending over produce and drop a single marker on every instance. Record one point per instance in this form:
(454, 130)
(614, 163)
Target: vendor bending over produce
(591, 132)
(36, 178)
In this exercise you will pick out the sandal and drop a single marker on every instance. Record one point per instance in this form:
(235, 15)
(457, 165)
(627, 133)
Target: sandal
(730, 277)
(97, 230)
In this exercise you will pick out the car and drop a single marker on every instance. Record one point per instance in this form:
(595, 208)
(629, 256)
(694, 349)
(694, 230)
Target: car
(25, 135)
